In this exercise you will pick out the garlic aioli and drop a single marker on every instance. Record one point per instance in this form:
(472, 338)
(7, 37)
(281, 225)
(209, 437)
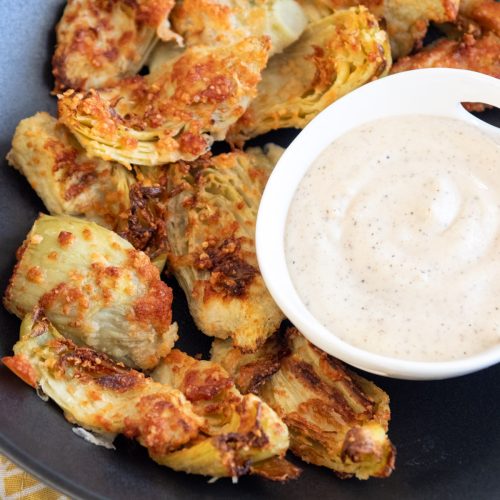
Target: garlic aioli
(393, 238)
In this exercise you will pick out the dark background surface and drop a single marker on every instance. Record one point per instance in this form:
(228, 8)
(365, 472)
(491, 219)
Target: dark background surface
(447, 433)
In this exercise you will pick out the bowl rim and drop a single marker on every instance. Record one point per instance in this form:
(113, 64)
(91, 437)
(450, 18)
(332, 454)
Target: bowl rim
(434, 92)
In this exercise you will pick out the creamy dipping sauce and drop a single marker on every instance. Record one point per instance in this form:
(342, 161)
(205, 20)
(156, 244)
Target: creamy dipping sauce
(393, 238)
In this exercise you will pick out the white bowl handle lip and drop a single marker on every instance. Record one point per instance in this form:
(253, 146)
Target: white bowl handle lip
(428, 91)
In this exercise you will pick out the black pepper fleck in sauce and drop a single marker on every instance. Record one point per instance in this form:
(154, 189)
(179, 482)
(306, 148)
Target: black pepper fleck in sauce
(393, 238)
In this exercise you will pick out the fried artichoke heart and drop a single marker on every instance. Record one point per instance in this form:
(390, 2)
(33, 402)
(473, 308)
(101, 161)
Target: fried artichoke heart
(211, 22)
(211, 233)
(335, 417)
(486, 13)
(101, 41)
(406, 21)
(172, 114)
(71, 183)
(334, 56)
(64, 177)
(480, 54)
(106, 398)
(97, 393)
(243, 434)
(95, 288)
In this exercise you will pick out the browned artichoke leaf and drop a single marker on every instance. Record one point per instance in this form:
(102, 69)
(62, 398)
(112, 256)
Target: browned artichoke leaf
(486, 13)
(480, 54)
(106, 398)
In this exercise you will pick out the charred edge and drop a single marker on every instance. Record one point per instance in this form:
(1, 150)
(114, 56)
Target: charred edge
(355, 391)
(146, 226)
(97, 367)
(233, 442)
(342, 375)
(7, 299)
(199, 386)
(254, 374)
(229, 444)
(62, 81)
(40, 322)
(276, 469)
(358, 446)
(304, 372)
(237, 441)
(230, 274)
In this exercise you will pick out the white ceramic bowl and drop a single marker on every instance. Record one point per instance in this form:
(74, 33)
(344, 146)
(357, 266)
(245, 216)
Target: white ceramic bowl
(437, 92)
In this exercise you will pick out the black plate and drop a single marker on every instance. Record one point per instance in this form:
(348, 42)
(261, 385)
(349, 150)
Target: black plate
(447, 433)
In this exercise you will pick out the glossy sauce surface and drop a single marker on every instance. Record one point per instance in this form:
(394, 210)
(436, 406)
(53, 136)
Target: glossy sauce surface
(393, 238)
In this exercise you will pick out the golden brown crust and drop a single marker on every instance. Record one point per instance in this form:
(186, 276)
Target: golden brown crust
(484, 12)
(477, 54)
(174, 114)
(239, 431)
(211, 231)
(64, 177)
(99, 394)
(405, 21)
(335, 55)
(99, 41)
(336, 418)
(206, 385)
(230, 273)
(99, 290)
(157, 421)
(221, 22)
(90, 366)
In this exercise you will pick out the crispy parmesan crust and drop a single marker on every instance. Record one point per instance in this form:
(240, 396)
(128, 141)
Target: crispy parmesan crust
(405, 21)
(99, 290)
(475, 54)
(175, 114)
(484, 12)
(145, 225)
(64, 177)
(99, 394)
(100, 41)
(336, 418)
(157, 422)
(230, 274)
(155, 306)
(212, 430)
(221, 22)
